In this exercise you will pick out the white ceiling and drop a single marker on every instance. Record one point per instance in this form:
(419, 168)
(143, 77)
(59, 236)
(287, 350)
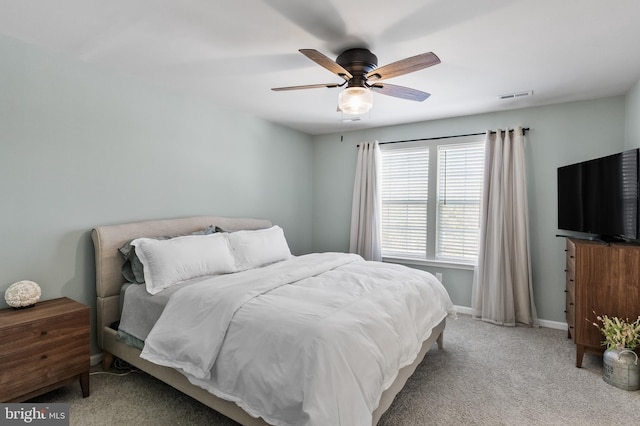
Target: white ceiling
(235, 51)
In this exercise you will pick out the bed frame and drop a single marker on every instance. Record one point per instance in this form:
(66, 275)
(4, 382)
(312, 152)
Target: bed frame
(109, 280)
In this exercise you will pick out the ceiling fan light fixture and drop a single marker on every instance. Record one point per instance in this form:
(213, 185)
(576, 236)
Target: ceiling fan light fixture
(355, 100)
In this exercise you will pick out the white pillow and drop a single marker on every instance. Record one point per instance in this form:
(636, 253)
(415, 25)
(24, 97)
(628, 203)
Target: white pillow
(166, 262)
(252, 249)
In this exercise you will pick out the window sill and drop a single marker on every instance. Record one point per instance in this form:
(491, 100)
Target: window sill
(430, 262)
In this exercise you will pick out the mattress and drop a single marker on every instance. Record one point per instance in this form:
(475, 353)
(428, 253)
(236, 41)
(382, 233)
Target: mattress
(141, 310)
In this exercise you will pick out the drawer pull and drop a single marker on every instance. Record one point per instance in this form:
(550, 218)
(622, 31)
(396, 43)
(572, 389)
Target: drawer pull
(43, 333)
(570, 304)
(44, 356)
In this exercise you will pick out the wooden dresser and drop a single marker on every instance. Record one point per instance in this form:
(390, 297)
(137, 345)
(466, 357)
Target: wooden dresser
(42, 348)
(600, 277)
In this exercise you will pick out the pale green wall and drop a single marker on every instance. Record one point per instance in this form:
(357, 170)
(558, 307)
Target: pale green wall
(632, 119)
(559, 135)
(81, 147)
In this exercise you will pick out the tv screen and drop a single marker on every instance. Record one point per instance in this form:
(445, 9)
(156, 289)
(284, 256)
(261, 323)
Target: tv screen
(600, 196)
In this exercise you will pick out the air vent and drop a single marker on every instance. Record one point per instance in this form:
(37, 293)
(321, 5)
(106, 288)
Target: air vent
(515, 95)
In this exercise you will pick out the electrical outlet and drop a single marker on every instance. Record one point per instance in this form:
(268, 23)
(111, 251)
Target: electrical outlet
(439, 276)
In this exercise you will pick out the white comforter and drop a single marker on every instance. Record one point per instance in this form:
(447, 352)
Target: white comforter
(313, 340)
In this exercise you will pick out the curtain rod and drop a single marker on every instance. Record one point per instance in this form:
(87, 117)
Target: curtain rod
(524, 132)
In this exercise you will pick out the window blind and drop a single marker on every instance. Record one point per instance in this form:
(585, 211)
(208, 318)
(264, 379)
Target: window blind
(405, 194)
(460, 177)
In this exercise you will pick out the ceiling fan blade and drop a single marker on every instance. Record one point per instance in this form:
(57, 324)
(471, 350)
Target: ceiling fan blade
(326, 62)
(404, 66)
(308, 86)
(400, 92)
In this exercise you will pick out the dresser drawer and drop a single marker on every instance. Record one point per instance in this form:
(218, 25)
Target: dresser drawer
(570, 315)
(570, 257)
(571, 249)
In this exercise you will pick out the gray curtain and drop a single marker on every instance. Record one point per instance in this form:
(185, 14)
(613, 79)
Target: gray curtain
(502, 286)
(365, 210)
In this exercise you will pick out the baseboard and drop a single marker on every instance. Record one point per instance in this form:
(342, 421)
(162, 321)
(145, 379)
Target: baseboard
(463, 310)
(553, 324)
(543, 323)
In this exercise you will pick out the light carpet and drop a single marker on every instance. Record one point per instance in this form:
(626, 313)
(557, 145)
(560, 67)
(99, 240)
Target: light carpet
(485, 375)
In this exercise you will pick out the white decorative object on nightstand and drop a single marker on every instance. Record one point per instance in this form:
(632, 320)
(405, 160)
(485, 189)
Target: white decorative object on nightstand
(22, 294)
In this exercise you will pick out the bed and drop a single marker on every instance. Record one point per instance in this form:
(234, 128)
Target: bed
(109, 282)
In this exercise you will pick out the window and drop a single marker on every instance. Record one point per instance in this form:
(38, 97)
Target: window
(431, 194)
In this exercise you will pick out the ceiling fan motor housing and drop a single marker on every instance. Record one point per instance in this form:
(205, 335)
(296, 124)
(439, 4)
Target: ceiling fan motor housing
(358, 62)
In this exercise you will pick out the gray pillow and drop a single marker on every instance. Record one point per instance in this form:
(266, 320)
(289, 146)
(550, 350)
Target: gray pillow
(132, 269)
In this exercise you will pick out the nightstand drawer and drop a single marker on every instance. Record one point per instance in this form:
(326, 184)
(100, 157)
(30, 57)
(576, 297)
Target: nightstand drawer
(43, 333)
(33, 369)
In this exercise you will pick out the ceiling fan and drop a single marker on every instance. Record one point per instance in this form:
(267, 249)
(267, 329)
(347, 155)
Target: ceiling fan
(359, 69)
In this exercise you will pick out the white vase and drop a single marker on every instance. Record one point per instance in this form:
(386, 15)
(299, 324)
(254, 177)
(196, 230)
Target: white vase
(621, 369)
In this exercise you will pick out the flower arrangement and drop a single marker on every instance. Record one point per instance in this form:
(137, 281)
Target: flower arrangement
(618, 333)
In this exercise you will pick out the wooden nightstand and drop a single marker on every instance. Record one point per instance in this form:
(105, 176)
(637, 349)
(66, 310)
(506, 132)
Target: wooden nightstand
(43, 348)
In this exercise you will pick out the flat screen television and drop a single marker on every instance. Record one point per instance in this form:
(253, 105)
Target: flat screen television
(600, 196)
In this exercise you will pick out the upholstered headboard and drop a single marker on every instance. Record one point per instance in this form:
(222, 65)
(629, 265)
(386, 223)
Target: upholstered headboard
(108, 239)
